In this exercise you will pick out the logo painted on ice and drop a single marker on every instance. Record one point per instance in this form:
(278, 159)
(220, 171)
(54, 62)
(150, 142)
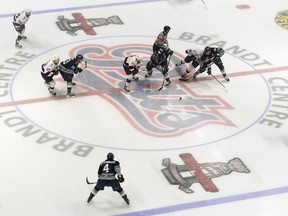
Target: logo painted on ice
(192, 172)
(282, 19)
(87, 25)
(145, 108)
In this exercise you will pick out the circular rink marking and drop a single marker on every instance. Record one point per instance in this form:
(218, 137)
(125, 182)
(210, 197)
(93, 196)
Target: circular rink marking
(103, 115)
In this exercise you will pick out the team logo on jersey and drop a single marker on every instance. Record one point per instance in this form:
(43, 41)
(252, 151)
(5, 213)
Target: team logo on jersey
(192, 172)
(105, 71)
(71, 26)
(282, 19)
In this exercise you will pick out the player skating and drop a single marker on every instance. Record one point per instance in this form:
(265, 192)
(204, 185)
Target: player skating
(161, 39)
(48, 71)
(107, 172)
(192, 59)
(159, 60)
(67, 69)
(131, 67)
(209, 56)
(19, 21)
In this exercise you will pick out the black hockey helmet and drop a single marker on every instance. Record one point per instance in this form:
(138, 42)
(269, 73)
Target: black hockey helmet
(207, 49)
(220, 51)
(79, 57)
(166, 29)
(110, 156)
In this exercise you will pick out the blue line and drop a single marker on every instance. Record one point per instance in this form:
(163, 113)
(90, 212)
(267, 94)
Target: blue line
(210, 202)
(88, 7)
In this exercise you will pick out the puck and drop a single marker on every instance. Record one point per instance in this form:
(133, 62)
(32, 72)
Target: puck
(180, 98)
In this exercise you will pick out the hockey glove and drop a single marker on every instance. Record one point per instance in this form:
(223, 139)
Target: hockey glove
(55, 72)
(135, 72)
(121, 178)
(78, 70)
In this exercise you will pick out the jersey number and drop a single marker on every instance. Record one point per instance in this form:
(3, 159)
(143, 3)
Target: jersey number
(106, 168)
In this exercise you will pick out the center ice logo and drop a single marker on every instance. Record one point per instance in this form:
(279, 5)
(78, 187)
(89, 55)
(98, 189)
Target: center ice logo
(146, 108)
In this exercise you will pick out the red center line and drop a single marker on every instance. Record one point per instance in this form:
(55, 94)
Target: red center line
(113, 90)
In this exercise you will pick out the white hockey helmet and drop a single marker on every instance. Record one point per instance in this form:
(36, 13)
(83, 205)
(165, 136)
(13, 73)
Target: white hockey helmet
(56, 59)
(28, 12)
(139, 58)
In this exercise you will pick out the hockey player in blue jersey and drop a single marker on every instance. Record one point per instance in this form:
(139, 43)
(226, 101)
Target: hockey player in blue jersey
(205, 58)
(107, 172)
(159, 61)
(211, 55)
(67, 69)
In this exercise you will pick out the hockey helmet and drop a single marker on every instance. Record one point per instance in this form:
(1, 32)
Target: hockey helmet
(207, 49)
(110, 156)
(55, 59)
(166, 29)
(220, 51)
(139, 58)
(188, 51)
(28, 12)
(79, 57)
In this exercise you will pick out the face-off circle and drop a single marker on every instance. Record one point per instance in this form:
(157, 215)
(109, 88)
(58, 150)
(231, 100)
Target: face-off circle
(184, 115)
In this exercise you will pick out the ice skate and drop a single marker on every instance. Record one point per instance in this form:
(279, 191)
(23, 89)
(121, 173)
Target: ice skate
(70, 95)
(126, 199)
(52, 91)
(126, 88)
(23, 37)
(135, 78)
(184, 77)
(226, 77)
(18, 45)
(168, 82)
(90, 198)
(148, 74)
(195, 75)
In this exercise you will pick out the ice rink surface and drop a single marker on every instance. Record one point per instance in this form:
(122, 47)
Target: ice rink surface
(220, 150)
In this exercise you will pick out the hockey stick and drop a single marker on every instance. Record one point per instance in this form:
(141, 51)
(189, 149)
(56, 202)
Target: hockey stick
(217, 80)
(85, 65)
(87, 181)
(164, 76)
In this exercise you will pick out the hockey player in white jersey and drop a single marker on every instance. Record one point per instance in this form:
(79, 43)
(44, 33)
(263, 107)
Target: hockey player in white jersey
(19, 21)
(131, 66)
(48, 71)
(192, 59)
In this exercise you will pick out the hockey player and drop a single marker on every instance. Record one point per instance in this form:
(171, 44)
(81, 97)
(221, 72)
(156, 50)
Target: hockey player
(131, 67)
(211, 55)
(19, 21)
(159, 61)
(107, 172)
(161, 39)
(192, 59)
(48, 71)
(67, 69)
